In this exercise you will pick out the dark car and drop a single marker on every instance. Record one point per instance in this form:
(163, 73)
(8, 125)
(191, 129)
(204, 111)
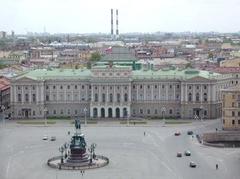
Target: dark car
(53, 138)
(192, 165)
(190, 132)
(179, 154)
(177, 133)
(187, 153)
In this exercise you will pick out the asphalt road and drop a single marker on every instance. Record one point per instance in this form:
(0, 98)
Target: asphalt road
(23, 153)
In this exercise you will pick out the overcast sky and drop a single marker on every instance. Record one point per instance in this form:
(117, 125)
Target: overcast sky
(87, 16)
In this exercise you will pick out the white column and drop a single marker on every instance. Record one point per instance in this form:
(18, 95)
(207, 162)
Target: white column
(201, 93)
(121, 111)
(159, 89)
(107, 97)
(137, 92)
(182, 92)
(99, 111)
(23, 95)
(144, 92)
(106, 112)
(209, 93)
(129, 93)
(114, 112)
(152, 92)
(166, 94)
(174, 92)
(194, 93)
(91, 111)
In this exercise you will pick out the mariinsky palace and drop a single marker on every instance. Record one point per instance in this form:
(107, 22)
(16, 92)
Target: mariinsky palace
(118, 91)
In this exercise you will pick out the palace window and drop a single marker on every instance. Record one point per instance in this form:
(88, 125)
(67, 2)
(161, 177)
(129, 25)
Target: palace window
(26, 97)
(148, 111)
(118, 97)
(125, 97)
(103, 98)
(68, 86)
(111, 97)
(34, 97)
(47, 97)
(189, 96)
(233, 122)
(197, 97)
(96, 97)
(233, 113)
(54, 87)
(205, 97)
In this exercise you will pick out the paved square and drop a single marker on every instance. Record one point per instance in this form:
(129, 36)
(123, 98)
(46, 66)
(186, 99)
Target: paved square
(23, 153)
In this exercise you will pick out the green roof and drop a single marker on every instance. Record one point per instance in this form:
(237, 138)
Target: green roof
(173, 74)
(46, 74)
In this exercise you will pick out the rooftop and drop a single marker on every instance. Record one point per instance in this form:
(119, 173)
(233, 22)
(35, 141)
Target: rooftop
(167, 73)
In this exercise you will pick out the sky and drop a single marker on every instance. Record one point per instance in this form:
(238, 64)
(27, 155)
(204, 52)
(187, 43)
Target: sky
(93, 16)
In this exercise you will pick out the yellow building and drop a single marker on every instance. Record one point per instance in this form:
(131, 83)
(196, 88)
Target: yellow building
(230, 63)
(231, 108)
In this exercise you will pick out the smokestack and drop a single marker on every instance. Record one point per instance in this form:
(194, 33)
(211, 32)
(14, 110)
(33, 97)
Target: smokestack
(112, 22)
(117, 32)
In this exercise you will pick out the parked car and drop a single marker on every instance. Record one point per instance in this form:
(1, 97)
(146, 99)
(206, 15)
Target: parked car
(179, 154)
(187, 153)
(53, 138)
(45, 137)
(190, 132)
(177, 133)
(192, 165)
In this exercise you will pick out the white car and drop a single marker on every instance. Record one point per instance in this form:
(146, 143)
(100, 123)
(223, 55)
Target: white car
(45, 137)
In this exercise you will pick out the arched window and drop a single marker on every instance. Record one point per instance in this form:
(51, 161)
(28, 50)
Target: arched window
(111, 98)
(125, 97)
(96, 97)
(205, 96)
(170, 111)
(118, 97)
(189, 96)
(197, 97)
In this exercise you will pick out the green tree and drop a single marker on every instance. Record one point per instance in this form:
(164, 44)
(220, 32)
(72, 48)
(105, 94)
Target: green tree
(95, 57)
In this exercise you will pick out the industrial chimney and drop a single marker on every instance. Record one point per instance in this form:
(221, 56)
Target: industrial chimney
(112, 22)
(117, 32)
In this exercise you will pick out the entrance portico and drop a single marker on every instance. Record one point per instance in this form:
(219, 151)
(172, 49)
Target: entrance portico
(110, 112)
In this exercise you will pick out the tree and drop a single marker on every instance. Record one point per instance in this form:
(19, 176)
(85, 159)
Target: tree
(95, 57)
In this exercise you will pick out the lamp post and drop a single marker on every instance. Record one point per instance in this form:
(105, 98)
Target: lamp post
(3, 117)
(45, 116)
(163, 114)
(85, 113)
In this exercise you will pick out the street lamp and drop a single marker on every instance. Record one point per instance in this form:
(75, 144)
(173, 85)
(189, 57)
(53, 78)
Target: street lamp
(85, 113)
(45, 116)
(3, 117)
(163, 114)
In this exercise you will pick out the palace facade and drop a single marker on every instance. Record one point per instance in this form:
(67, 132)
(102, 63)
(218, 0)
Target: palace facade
(107, 91)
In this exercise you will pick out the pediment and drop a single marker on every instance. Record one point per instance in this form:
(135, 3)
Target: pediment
(25, 79)
(198, 78)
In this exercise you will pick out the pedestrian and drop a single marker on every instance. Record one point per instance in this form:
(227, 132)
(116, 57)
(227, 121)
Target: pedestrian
(216, 166)
(144, 133)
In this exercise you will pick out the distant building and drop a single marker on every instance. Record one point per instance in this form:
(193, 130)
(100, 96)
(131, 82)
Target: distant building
(3, 34)
(231, 108)
(4, 93)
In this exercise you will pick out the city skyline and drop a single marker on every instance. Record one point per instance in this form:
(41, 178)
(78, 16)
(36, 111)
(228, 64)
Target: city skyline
(94, 17)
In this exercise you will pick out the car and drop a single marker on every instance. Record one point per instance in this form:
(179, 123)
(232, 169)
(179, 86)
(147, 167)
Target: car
(192, 164)
(179, 154)
(177, 133)
(53, 138)
(187, 153)
(45, 137)
(190, 132)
